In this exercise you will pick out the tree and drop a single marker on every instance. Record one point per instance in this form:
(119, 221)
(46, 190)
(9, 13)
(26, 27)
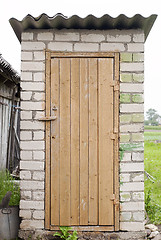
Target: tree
(152, 117)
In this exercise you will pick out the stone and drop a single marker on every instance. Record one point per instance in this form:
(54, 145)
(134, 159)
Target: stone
(152, 227)
(153, 234)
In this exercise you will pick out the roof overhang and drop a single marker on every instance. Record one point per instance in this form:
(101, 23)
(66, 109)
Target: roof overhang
(105, 22)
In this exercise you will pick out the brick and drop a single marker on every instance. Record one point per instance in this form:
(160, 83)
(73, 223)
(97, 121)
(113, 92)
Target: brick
(25, 214)
(32, 46)
(33, 86)
(131, 67)
(138, 216)
(125, 177)
(125, 197)
(60, 46)
(131, 108)
(38, 214)
(26, 76)
(125, 98)
(92, 37)
(89, 47)
(138, 156)
(135, 47)
(112, 47)
(26, 155)
(39, 77)
(132, 186)
(130, 87)
(131, 128)
(33, 66)
(136, 137)
(38, 96)
(39, 56)
(66, 36)
(25, 135)
(32, 125)
(25, 175)
(38, 196)
(27, 36)
(132, 206)
(38, 135)
(38, 175)
(137, 177)
(126, 118)
(138, 77)
(126, 57)
(138, 196)
(132, 226)
(138, 37)
(45, 36)
(32, 224)
(25, 195)
(138, 117)
(119, 37)
(27, 115)
(32, 165)
(138, 98)
(131, 167)
(26, 95)
(38, 155)
(125, 216)
(30, 105)
(26, 56)
(138, 57)
(126, 77)
(32, 185)
(124, 138)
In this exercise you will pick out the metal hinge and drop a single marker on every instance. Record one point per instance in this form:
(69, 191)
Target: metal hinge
(114, 136)
(50, 118)
(113, 198)
(116, 86)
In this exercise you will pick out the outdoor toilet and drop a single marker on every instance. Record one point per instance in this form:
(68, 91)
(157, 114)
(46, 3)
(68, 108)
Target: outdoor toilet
(82, 124)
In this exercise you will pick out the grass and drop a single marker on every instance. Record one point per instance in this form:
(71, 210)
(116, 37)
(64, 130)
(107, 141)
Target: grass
(152, 159)
(152, 127)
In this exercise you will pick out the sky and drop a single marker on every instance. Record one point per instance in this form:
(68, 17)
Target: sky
(10, 47)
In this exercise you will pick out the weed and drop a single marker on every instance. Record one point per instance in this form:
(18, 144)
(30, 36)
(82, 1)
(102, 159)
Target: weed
(65, 233)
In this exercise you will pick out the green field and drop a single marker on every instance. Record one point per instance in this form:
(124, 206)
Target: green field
(152, 159)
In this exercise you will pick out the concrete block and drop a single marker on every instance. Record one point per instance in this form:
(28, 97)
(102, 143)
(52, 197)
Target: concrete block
(138, 216)
(137, 137)
(27, 36)
(118, 47)
(32, 224)
(26, 56)
(26, 76)
(89, 47)
(25, 175)
(126, 77)
(125, 216)
(138, 57)
(132, 206)
(25, 214)
(138, 196)
(138, 77)
(137, 177)
(131, 128)
(125, 98)
(124, 138)
(131, 87)
(92, 37)
(45, 36)
(125, 118)
(32, 46)
(38, 155)
(39, 196)
(37, 175)
(32, 165)
(26, 135)
(26, 155)
(125, 196)
(139, 37)
(32, 145)
(119, 37)
(135, 47)
(39, 77)
(30, 105)
(33, 86)
(31, 185)
(25, 195)
(33, 66)
(38, 96)
(131, 167)
(132, 186)
(132, 226)
(25, 95)
(138, 156)
(39, 135)
(126, 157)
(60, 46)
(132, 67)
(124, 177)
(137, 117)
(137, 98)
(39, 56)
(38, 214)
(126, 57)
(66, 36)
(131, 108)
(32, 125)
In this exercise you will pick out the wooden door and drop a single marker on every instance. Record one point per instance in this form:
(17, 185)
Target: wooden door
(82, 156)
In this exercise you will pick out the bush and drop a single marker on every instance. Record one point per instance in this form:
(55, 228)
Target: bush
(7, 183)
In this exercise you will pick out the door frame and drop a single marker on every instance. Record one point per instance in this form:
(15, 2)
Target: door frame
(115, 136)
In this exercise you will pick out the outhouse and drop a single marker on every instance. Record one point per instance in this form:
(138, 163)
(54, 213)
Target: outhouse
(82, 118)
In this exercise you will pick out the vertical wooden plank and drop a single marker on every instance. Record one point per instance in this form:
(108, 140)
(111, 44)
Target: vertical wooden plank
(65, 142)
(47, 147)
(84, 141)
(55, 141)
(93, 174)
(105, 143)
(74, 141)
(116, 143)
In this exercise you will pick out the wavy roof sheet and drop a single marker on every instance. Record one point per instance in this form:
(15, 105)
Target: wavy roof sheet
(106, 22)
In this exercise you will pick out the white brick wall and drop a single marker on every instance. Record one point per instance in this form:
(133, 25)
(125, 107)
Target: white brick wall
(131, 45)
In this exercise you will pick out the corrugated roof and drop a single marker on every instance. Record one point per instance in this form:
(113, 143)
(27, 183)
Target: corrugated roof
(7, 70)
(106, 22)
